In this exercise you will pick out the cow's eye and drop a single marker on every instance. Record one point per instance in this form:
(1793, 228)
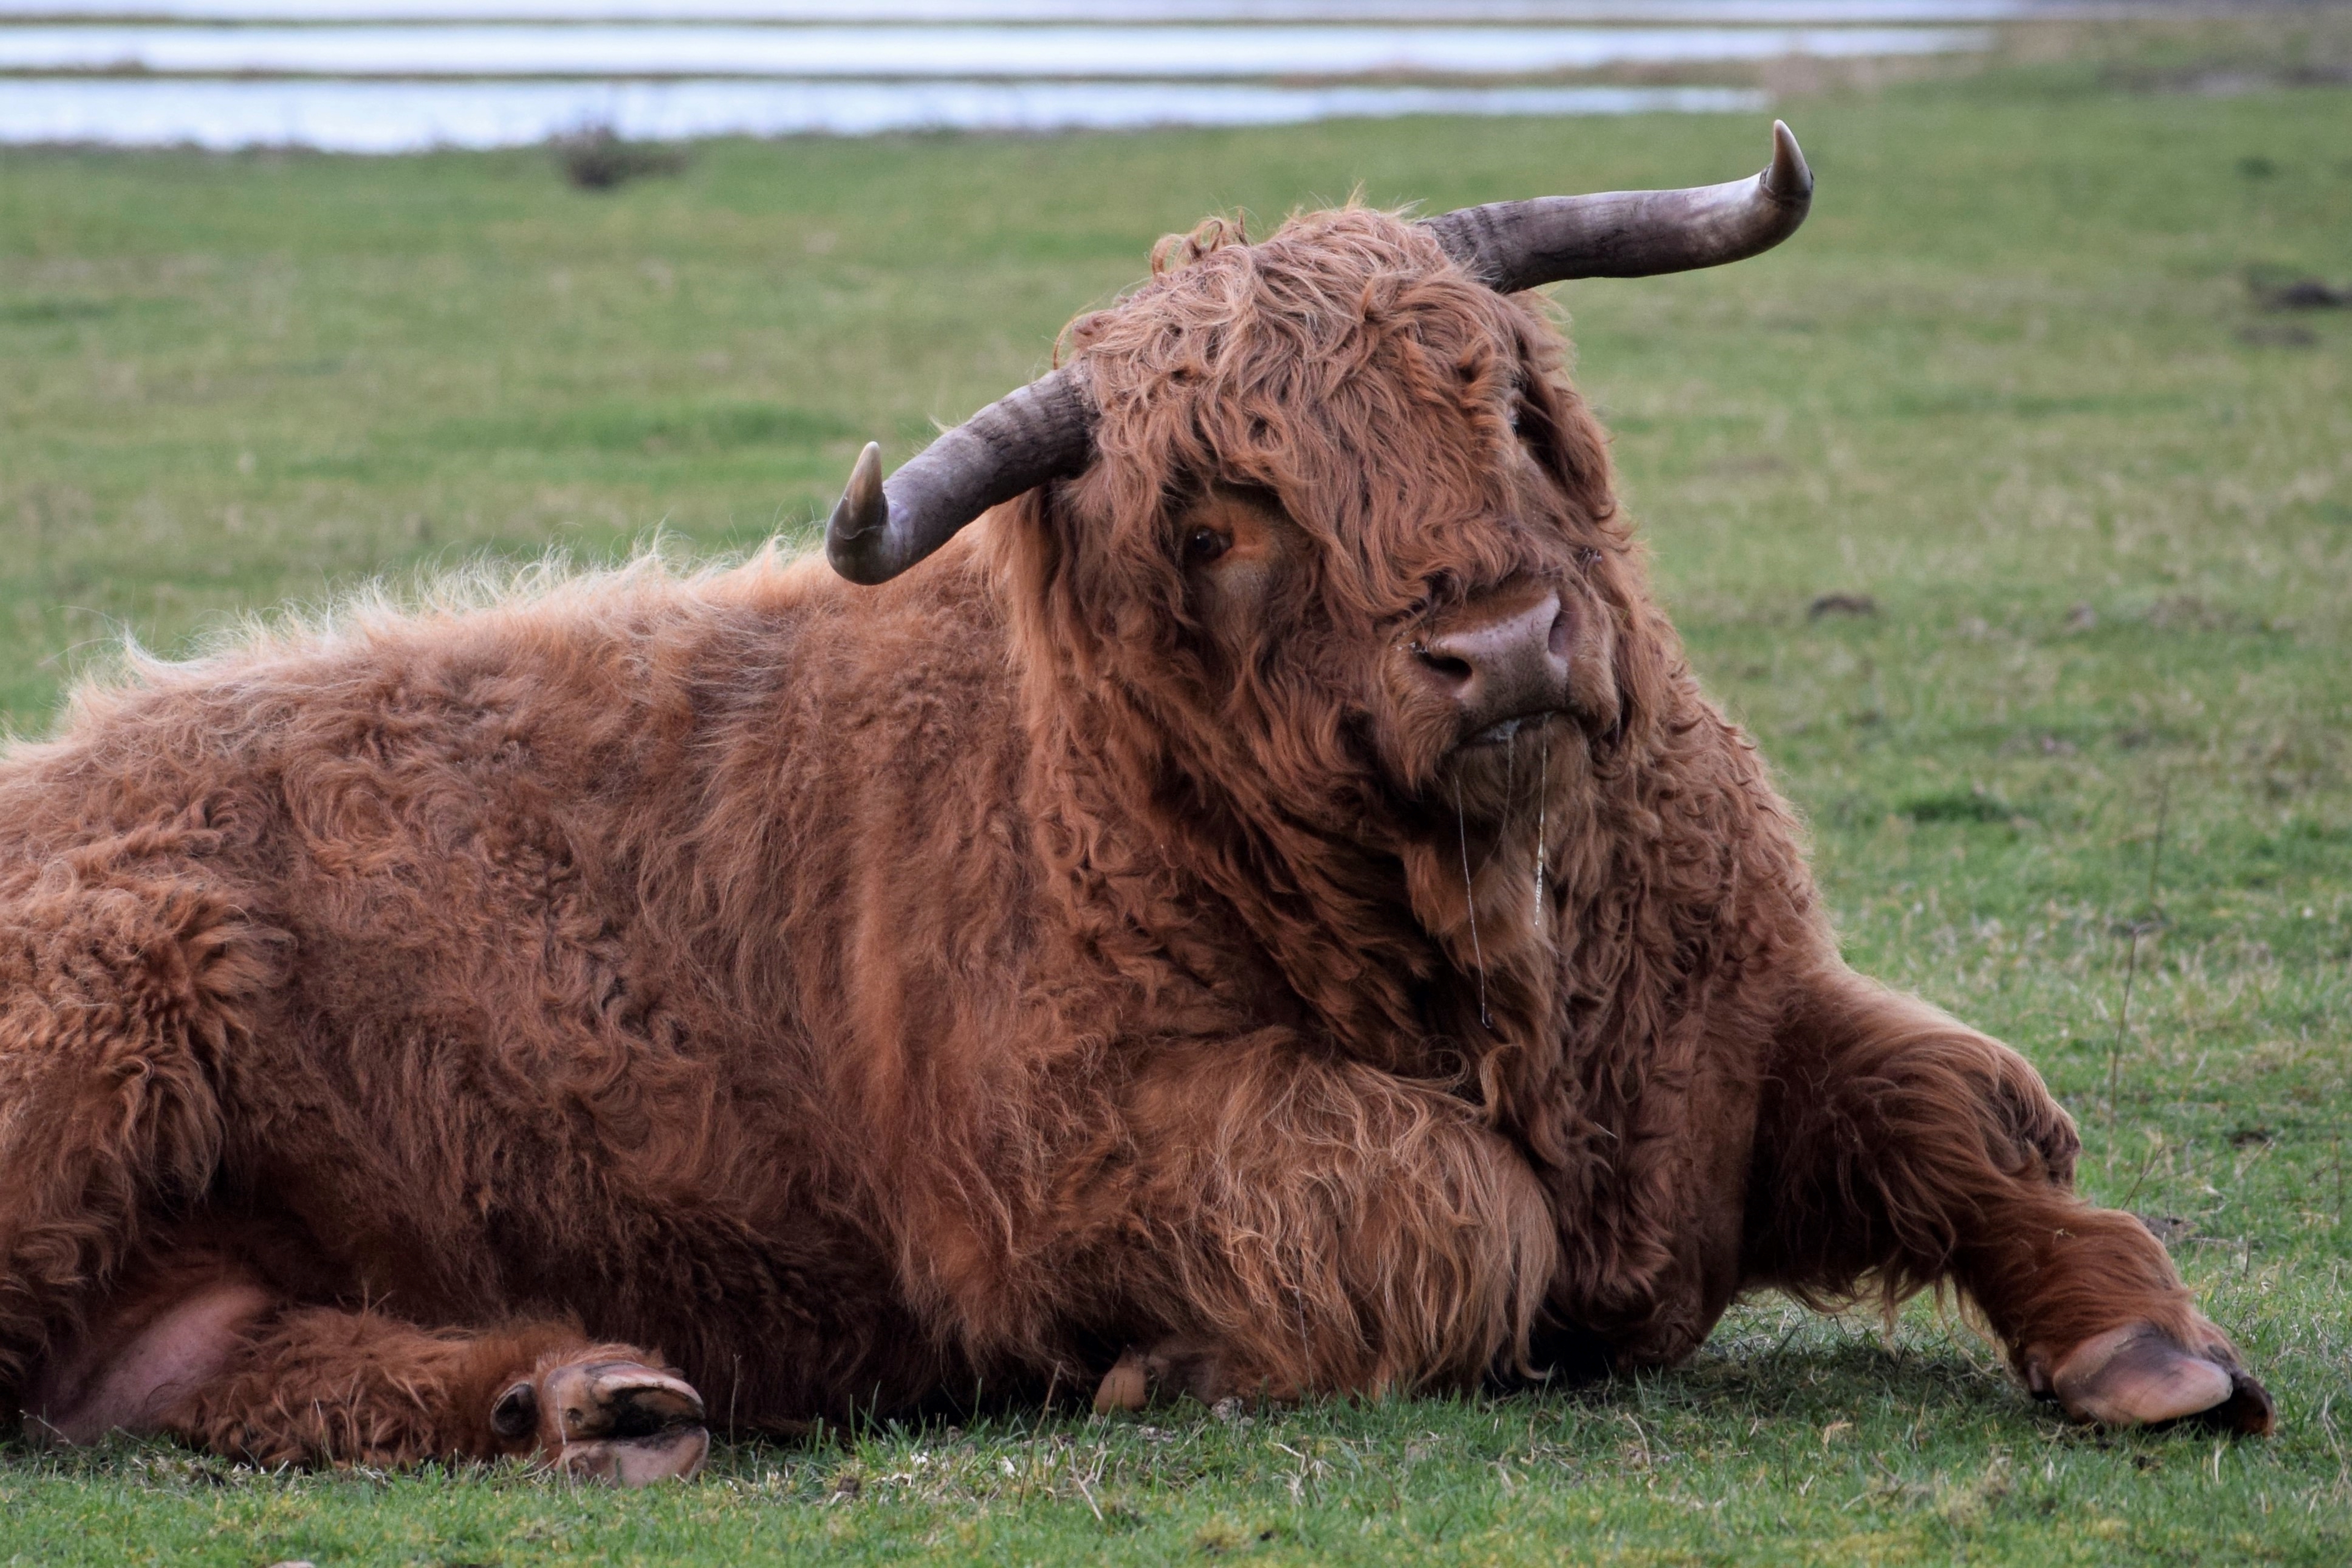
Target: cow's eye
(1202, 546)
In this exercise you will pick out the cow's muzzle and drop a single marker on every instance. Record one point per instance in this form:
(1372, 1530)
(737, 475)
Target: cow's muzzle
(1503, 663)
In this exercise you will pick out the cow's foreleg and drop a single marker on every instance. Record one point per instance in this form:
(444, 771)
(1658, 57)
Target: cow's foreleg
(201, 1348)
(1293, 1225)
(1900, 1149)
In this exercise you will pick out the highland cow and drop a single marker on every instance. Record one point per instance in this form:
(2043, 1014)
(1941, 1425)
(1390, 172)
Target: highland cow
(1263, 910)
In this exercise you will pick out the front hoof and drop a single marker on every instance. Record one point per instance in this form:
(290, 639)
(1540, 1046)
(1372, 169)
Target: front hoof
(1175, 1369)
(2136, 1376)
(1126, 1386)
(609, 1420)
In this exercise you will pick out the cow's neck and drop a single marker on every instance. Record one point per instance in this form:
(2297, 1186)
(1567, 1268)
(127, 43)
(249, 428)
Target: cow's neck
(1157, 872)
(1368, 937)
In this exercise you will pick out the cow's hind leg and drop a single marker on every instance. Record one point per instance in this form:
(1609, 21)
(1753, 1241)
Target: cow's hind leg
(320, 1386)
(1902, 1148)
(206, 1352)
(127, 985)
(119, 997)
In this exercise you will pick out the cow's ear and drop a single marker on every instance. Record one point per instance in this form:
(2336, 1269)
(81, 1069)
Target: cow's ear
(1535, 420)
(1560, 433)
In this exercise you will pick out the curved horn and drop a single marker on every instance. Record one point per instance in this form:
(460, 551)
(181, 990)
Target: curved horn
(881, 527)
(1630, 233)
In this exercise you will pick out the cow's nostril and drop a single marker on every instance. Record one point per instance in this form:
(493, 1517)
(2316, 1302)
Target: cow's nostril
(1562, 635)
(1453, 672)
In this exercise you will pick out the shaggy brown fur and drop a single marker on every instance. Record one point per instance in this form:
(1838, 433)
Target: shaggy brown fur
(1086, 944)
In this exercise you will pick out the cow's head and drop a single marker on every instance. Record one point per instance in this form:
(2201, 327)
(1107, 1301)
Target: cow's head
(1323, 512)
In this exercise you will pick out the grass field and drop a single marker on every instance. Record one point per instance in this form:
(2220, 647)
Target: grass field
(2094, 735)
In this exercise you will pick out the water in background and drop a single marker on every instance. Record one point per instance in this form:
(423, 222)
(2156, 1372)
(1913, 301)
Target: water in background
(385, 76)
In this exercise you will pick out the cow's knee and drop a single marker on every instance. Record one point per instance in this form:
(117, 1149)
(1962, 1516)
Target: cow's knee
(1341, 1232)
(1458, 1252)
(1897, 1139)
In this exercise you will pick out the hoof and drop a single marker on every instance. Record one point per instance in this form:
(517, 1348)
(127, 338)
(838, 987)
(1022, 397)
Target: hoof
(1177, 1369)
(2136, 1376)
(615, 1421)
(1126, 1386)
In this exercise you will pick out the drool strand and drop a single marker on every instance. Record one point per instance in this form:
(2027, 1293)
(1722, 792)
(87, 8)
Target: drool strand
(1470, 900)
(1543, 801)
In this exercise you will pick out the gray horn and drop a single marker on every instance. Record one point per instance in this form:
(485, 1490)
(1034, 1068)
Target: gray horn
(1512, 245)
(883, 526)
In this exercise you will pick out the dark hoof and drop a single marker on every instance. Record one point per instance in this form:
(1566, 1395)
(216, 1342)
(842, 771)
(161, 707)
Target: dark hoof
(2248, 1412)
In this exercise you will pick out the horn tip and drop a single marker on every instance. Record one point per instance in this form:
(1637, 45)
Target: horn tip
(862, 506)
(862, 511)
(1790, 178)
(865, 475)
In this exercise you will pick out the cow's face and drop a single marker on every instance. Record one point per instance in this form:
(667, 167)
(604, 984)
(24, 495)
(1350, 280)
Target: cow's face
(1348, 527)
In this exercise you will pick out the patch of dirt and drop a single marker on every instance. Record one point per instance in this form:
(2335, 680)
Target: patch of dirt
(1841, 604)
(2296, 294)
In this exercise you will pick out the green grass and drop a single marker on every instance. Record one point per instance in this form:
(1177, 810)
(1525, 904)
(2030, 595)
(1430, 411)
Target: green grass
(2009, 383)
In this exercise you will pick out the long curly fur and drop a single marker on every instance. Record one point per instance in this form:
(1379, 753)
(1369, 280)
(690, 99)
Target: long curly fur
(865, 995)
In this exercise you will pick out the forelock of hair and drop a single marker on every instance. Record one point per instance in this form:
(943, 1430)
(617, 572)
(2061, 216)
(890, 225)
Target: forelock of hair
(1344, 363)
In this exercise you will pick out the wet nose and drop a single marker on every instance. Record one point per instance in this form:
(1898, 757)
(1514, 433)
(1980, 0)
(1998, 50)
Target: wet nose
(1501, 665)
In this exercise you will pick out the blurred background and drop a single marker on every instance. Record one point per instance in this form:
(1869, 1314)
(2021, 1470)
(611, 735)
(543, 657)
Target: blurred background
(378, 76)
